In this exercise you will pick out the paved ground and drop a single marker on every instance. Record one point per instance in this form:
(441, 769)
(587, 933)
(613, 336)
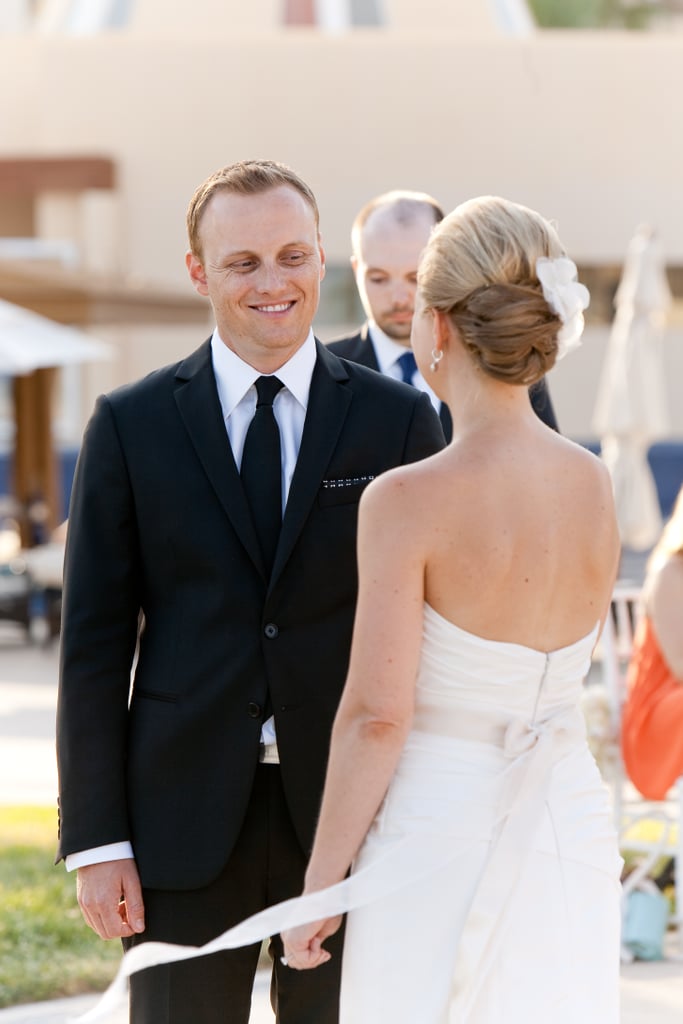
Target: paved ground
(66, 1011)
(652, 993)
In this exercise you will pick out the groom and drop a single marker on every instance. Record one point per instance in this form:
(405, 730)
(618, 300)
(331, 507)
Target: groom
(211, 546)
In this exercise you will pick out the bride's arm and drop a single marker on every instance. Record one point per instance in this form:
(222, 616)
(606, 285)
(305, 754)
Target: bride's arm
(376, 709)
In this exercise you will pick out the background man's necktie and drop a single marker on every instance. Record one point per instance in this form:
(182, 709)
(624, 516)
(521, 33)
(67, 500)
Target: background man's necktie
(261, 469)
(408, 367)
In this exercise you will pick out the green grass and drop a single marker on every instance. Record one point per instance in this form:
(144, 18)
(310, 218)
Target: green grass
(46, 949)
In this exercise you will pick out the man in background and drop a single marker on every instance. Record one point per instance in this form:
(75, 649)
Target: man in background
(387, 239)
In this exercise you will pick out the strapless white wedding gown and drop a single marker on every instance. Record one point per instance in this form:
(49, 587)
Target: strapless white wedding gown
(487, 890)
(513, 913)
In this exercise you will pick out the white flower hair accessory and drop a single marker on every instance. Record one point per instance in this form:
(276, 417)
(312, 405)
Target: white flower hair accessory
(566, 297)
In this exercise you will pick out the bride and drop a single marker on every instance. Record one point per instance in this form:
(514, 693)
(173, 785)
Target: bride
(458, 749)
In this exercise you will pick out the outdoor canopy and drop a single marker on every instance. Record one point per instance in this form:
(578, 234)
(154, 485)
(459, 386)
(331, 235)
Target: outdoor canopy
(30, 342)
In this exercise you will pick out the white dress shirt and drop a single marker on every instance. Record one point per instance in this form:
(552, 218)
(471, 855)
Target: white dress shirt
(388, 353)
(235, 381)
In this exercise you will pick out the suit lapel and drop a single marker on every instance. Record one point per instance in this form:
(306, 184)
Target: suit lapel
(328, 405)
(365, 351)
(446, 422)
(198, 404)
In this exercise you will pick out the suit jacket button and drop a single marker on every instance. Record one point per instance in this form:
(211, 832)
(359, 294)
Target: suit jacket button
(271, 630)
(253, 709)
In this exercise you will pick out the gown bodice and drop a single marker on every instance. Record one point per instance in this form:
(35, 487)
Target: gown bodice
(460, 669)
(498, 823)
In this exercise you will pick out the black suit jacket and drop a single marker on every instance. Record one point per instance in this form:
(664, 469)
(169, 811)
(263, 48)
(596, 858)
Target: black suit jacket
(358, 347)
(159, 526)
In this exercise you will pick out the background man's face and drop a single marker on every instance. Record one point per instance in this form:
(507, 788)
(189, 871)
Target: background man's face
(386, 269)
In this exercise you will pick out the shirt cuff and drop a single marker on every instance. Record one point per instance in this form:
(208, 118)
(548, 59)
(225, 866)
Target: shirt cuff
(98, 855)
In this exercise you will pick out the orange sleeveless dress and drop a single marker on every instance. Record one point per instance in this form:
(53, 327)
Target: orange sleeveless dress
(652, 722)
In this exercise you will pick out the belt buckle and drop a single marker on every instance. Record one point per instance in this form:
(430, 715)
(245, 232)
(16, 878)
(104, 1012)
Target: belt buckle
(268, 753)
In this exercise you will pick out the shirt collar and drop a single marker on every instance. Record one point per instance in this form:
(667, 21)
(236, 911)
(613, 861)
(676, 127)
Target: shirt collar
(234, 377)
(386, 349)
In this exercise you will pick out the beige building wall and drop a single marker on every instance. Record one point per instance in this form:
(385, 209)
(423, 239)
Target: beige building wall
(581, 126)
(177, 16)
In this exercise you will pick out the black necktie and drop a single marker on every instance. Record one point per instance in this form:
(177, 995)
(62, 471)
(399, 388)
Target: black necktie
(408, 367)
(261, 469)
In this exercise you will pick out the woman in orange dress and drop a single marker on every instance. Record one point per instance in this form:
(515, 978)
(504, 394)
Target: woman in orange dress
(652, 734)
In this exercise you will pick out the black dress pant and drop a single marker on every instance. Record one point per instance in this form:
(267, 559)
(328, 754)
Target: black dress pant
(265, 867)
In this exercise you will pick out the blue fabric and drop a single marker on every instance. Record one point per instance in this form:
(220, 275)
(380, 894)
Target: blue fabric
(647, 916)
(408, 367)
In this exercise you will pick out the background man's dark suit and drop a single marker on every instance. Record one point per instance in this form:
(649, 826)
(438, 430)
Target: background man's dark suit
(171, 537)
(358, 348)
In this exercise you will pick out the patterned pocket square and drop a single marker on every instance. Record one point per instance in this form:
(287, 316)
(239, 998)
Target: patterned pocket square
(347, 481)
(344, 490)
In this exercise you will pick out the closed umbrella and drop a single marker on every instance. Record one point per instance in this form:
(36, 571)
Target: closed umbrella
(631, 408)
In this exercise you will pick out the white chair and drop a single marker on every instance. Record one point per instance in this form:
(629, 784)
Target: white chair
(651, 828)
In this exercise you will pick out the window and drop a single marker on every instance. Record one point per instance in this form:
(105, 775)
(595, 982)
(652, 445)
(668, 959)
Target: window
(334, 15)
(83, 17)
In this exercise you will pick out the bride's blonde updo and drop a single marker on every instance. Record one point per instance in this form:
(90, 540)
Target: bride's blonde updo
(480, 268)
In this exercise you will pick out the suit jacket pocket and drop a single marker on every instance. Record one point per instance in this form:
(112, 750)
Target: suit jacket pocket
(162, 695)
(343, 490)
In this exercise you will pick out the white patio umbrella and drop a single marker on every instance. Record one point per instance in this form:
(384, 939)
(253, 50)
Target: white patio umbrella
(32, 347)
(30, 342)
(631, 408)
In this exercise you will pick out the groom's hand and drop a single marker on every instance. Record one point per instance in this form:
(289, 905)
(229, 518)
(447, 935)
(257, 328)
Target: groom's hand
(110, 898)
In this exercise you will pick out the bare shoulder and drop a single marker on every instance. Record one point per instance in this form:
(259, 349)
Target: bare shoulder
(586, 479)
(667, 583)
(396, 504)
(581, 472)
(582, 458)
(396, 486)
(665, 607)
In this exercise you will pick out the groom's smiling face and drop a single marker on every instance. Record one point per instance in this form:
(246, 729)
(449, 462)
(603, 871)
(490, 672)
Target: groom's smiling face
(261, 265)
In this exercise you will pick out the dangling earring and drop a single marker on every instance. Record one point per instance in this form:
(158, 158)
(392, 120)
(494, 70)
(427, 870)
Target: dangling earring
(437, 356)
